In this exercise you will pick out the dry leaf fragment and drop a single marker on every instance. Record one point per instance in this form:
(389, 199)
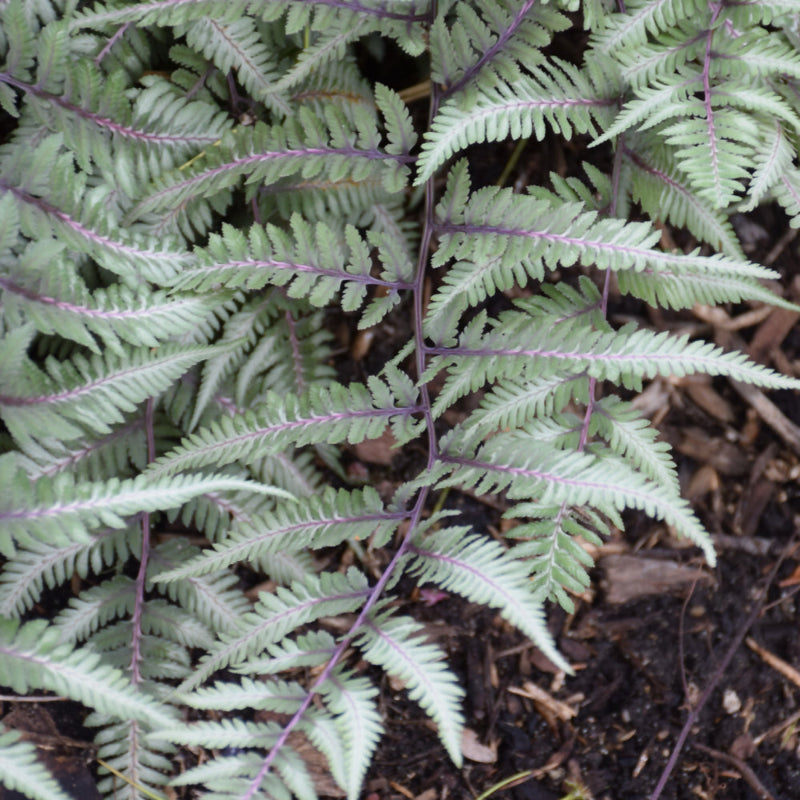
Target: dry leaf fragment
(539, 696)
(472, 748)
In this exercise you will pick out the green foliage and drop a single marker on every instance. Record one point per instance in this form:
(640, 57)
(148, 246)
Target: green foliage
(191, 192)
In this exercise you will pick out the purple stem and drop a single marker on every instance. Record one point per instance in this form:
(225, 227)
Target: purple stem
(110, 43)
(340, 274)
(716, 8)
(416, 513)
(136, 618)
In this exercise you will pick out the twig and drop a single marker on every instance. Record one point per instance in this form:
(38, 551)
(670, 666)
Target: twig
(681, 650)
(778, 664)
(780, 246)
(771, 414)
(694, 712)
(776, 729)
(747, 774)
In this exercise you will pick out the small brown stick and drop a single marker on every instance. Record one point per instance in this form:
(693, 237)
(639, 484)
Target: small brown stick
(780, 246)
(747, 774)
(681, 654)
(694, 711)
(776, 729)
(770, 413)
(778, 664)
(416, 92)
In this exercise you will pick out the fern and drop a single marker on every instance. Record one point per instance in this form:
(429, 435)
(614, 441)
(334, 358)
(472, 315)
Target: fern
(200, 201)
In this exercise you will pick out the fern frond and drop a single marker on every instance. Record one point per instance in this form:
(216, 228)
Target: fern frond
(697, 280)
(40, 564)
(665, 194)
(240, 331)
(307, 650)
(490, 43)
(723, 140)
(357, 729)
(555, 94)
(305, 12)
(235, 42)
(58, 302)
(555, 476)
(62, 512)
(273, 695)
(325, 521)
(20, 43)
(190, 189)
(45, 189)
(126, 747)
(643, 17)
(88, 107)
(497, 237)
(301, 146)
(628, 434)
(511, 404)
(552, 551)
(213, 599)
(477, 568)
(772, 162)
(326, 46)
(92, 392)
(397, 644)
(625, 357)
(96, 607)
(277, 614)
(234, 733)
(787, 193)
(310, 262)
(332, 414)
(221, 771)
(32, 657)
(120, 452)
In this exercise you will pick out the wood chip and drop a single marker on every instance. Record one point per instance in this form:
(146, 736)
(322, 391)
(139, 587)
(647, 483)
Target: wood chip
(631, 577)
(703, 481)
(724, 456)
(770, 413)
(771, 333)
(703, 395)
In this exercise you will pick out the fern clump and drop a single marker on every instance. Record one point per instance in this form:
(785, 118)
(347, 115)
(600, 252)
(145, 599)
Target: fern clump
(186, 188)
